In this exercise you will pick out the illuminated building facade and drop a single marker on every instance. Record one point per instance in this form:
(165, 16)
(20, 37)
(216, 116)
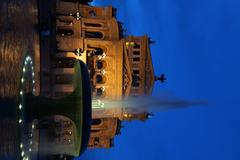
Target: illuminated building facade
(120, 66)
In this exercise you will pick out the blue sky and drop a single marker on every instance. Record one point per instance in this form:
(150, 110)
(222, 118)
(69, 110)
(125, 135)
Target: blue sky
(198, 48)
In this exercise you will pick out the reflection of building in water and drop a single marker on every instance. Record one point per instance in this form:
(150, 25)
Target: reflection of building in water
(59, 133)
(120, 66)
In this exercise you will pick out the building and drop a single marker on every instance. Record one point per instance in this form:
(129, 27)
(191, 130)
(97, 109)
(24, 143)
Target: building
(119, 65)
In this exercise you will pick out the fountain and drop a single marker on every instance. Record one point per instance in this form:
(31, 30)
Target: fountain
(30, 112)
(34, 126)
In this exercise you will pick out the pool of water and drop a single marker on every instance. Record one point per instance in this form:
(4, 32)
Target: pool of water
(18, 38)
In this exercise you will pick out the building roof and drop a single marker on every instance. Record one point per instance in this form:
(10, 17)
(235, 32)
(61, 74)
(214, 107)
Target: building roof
(149, 82)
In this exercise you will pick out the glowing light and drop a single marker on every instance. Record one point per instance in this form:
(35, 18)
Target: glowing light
(31, 142)
(33, 81)
(28, 58)
(34, 89)
(20, 121)
(103, 72)
(78, 16)
(21, 92)
(30, 149)
(21, 145)
(24, 69)
(97, 104)
(33, 73)
(20, 106)
(25, 158)
(103, 55)
(132, 43)
(102, 105)
(22, 154)
(103, 88)
(22, 80)
(33, 126)
(32, 68)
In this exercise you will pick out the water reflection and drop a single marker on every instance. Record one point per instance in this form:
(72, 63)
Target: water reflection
(23, 133)
(18, 36)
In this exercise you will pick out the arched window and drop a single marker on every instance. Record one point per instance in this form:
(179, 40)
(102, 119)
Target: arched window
(100, 64)
(92, 24)
(99, 92)
(96, 121)
(98, 51)
(93, 34)
(99, 78)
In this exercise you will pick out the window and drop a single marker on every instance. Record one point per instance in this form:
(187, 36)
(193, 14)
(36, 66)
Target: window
(95, 130)
(137, 46)
(135, 71)
(92, 14)
(135, 84)
(92, 25)
(66, 22)
(64, 62)
(92, 34)
(65, 32)
(97, 51)
(100, 64)
(96, 141)
(136, 53)
(99, 78)
(96, 121)
(137, 59)
(99, 92)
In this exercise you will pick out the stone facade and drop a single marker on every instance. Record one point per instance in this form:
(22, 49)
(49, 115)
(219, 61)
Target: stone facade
(119, 66)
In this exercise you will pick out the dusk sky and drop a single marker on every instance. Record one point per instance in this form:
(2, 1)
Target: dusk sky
(198, 48)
